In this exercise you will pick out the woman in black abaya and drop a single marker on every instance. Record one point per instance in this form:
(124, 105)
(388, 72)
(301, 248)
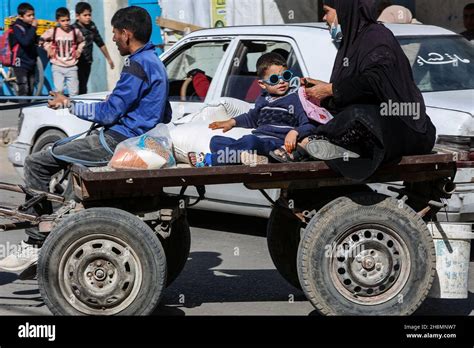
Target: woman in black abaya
(371, 74)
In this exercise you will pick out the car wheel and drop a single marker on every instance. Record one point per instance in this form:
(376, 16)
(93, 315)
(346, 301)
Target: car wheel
(44, 142)
(47, 139)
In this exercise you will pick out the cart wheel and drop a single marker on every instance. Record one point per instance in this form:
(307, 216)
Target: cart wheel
(283, 229)
(102, 261)
(177, 247)
(283, 238)
(366, 254)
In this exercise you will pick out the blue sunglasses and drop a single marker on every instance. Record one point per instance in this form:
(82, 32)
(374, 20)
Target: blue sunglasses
(275, 79)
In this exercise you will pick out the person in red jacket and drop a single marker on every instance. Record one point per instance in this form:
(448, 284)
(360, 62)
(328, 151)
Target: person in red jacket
(201, 82)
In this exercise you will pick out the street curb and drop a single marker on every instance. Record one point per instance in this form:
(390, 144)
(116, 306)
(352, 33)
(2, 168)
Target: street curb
(7, 136)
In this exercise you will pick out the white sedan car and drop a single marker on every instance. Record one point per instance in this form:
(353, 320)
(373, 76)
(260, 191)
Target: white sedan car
(442, 63)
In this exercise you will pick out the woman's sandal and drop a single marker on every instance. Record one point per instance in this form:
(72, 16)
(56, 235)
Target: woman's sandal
(197, 159)
(301, 155)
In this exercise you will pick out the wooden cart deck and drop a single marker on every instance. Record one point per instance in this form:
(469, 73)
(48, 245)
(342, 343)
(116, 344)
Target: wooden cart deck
(90, 184)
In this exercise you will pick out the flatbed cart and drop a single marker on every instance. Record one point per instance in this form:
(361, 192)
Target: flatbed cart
(353, 251)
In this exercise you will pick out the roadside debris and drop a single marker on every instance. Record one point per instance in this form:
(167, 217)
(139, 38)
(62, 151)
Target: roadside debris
(7, 136)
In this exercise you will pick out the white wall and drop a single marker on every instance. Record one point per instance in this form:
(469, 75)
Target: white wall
(195, 12)
(110, 7)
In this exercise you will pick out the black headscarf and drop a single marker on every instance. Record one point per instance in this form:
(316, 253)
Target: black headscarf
(371, 49)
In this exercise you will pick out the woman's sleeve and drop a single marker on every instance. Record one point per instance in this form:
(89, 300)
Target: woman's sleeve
(363, 87)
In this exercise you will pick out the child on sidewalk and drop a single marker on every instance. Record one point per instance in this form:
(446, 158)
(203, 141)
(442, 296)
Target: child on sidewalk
(64, 45)
(89, 30)
(24, 37)
(278, 118)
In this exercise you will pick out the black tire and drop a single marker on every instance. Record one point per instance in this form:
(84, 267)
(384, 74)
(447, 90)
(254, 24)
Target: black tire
(177, 247)
(389, 261)
(47, 139)
(39, 77)
(102, 250)
(283, 229)
(283, 238)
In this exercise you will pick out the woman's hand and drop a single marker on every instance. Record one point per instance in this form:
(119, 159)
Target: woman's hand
(308, 82)
(291, 140)
(320, 90)
(224, 125)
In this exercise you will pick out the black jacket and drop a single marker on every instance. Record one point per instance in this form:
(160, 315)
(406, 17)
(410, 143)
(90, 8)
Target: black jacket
(91, 34)
(25, 35)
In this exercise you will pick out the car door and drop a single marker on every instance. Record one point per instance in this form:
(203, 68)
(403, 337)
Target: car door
(207, 54)
(241, 83)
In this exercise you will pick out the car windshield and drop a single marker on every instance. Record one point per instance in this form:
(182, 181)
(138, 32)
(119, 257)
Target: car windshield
(441, 63)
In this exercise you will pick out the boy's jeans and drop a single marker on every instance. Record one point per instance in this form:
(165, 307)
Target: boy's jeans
(41, 166)
(25, 79)
(66, 75)
(227, 150)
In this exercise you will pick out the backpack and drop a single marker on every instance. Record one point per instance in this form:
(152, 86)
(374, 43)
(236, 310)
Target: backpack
(8, 51)
(74, 40)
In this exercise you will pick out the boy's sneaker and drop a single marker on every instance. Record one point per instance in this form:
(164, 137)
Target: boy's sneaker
(324, 150)
(24, 257)
(252, 159)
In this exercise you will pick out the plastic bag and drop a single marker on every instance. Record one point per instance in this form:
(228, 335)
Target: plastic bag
(196, 137)
(152, 150)
(217, 110)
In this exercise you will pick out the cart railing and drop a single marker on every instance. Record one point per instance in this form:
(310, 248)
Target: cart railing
(98, 184)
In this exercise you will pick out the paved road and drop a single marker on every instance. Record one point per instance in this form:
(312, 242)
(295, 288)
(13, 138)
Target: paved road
(8, 118)
(215, 280)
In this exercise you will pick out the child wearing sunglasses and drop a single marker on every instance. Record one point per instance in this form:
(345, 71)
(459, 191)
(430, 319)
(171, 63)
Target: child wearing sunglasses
(278, 119)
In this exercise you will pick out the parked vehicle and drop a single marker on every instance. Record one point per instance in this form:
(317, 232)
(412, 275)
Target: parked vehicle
(443, 67)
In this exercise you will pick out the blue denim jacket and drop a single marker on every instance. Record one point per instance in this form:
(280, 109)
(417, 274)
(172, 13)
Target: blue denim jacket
(138, 102)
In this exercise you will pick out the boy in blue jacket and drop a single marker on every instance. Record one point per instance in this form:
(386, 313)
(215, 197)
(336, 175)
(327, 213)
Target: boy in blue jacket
(24, 37)
(278, 119)
(137, 104)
